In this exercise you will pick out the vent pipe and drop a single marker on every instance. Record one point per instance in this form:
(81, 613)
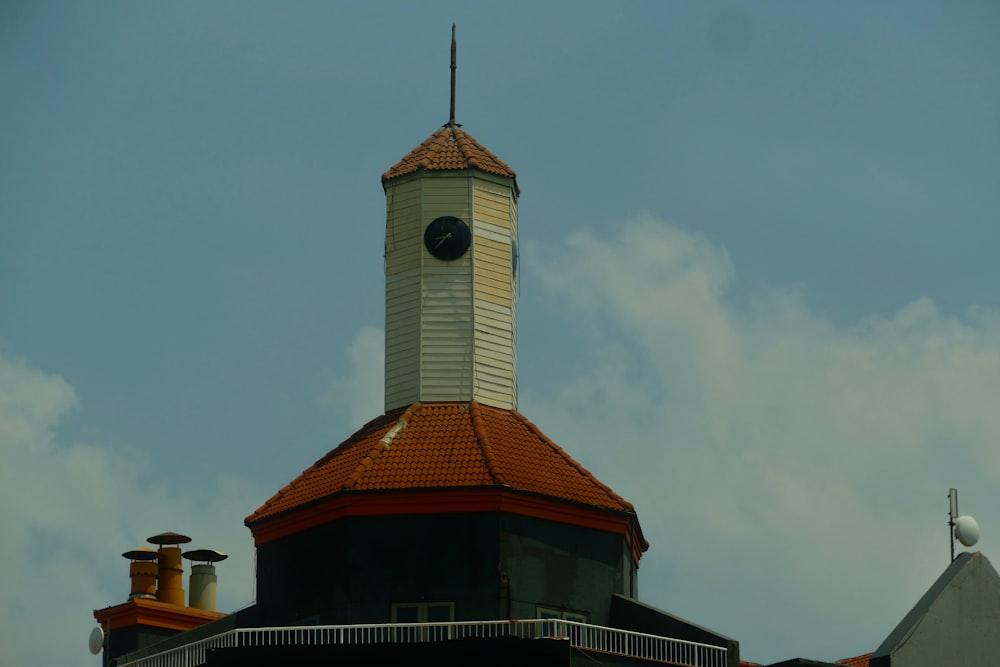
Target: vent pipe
(170, 583)
(142, 570)
(204, 582)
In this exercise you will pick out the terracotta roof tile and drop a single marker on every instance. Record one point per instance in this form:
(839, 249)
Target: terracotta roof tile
(859, 661)
(441, 445)
(451, 148)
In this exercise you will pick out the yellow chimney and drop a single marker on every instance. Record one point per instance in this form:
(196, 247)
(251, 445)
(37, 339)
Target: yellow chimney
(170, 575)
(142, 570)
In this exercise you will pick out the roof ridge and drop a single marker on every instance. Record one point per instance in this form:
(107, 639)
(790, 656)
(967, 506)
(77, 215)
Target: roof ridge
(371, 424)
(384, 444)
(569, 459)
(467, 143)
(483, 440)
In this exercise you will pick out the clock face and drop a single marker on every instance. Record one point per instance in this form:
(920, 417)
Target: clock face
(447, 238)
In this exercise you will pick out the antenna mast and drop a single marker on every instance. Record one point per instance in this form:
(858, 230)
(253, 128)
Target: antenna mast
(454, 57)
(952, 515)
(963, 528)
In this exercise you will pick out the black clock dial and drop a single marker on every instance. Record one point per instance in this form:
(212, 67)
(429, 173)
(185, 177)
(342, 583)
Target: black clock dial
(447, 238)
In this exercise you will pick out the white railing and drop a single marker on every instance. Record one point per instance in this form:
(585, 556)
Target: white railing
(580, 635)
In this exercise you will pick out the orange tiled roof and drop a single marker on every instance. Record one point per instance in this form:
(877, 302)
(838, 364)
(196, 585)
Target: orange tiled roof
(451, 148)
(440, 446)
(859, 661)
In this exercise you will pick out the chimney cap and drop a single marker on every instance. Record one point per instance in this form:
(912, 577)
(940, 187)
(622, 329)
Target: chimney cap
(140, 553)
(168, 537)
(205, 555)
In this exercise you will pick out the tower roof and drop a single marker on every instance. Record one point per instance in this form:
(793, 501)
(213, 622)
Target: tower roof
(451, 149)
(434, 446)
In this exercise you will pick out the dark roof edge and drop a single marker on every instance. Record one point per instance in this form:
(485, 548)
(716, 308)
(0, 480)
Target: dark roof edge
(442, 489)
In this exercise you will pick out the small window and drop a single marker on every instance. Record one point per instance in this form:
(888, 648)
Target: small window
(565, 614)
(549, 613)
(560, 630)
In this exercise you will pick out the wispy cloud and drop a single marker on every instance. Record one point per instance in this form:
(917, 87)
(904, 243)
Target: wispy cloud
(778, 461)
(358, 393)
(789, 471)
(69, 509)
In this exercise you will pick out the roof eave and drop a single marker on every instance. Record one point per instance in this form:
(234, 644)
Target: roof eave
(446, 500)
(422, 171)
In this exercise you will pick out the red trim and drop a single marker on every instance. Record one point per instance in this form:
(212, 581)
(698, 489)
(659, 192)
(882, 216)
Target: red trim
(448, 501)
(153, 613)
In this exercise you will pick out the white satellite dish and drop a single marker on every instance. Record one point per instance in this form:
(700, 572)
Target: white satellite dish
(966, 530)
(96, 642)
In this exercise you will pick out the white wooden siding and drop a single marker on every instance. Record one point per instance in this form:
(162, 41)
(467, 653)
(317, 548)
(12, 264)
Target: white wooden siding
(402, 290)
(450, 326)
(495, 378)
(446, 337)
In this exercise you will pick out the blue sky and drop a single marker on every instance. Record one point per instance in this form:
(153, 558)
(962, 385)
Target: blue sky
(758, 290)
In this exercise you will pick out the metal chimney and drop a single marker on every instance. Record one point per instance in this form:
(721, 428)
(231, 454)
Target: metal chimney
(170, 578)
(142, 570)
(204, 582)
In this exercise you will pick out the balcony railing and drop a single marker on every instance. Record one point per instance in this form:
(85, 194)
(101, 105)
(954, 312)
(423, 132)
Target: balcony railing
(580, 635)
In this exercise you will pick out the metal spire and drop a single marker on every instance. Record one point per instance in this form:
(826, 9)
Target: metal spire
(454, 57)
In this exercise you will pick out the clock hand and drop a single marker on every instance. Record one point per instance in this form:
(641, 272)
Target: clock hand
(442, 239)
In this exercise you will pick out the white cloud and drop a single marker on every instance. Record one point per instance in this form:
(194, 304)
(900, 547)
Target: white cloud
(789, 472)
(68, 510)
(359, 393)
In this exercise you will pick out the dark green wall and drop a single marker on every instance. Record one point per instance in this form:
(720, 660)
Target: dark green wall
(352, 570)
(563, 567)
(121, 641)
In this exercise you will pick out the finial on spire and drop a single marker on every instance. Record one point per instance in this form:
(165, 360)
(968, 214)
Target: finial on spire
(454, 57)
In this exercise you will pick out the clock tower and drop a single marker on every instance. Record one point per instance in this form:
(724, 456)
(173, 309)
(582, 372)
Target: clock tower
(450, 272)
(451, 516)
(451, 505)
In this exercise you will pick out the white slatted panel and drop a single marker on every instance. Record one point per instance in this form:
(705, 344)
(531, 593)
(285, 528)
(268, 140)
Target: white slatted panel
(450, 326)
(403, 242)
(494, 303)
(447, 331)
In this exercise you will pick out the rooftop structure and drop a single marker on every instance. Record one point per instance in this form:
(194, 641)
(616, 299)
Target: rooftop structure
(451, 520)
